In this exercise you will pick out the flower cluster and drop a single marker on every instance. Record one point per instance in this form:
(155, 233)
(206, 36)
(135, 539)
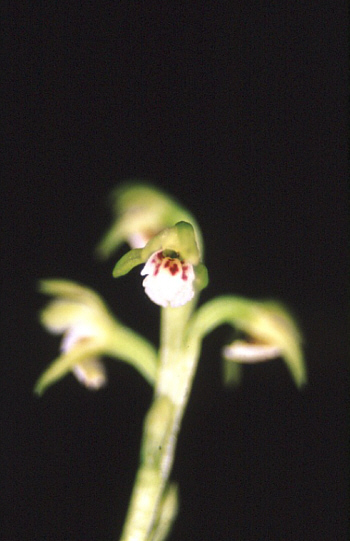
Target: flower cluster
(164, 238)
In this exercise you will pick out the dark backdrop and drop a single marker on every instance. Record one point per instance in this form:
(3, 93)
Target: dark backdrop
(238, 109)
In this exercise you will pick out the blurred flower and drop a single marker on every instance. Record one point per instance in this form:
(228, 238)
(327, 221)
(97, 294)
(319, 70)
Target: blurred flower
(89, 331)
(86, 325)
(141, 211)
(267, 328)
(271, 333)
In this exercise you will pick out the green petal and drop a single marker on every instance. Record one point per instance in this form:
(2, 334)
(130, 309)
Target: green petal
(128, 346)
(130, 260)
(202, 278)
(180, 239)
(59, 315)
(231, 373)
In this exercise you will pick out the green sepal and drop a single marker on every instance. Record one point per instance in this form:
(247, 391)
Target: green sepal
(268, 322)
(179, 239)
(126, 263)
(68, 289)
(126, 345)
(64, 364)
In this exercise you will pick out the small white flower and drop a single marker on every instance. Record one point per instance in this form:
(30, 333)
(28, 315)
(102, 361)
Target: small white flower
(169, 280)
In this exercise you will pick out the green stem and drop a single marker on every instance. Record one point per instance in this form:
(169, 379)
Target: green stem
(173, 382)
(173, 370)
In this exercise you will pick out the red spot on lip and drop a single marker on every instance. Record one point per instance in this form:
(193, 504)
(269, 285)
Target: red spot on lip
(174, 268)
(184, 272)
(156, 269)
(172, 264)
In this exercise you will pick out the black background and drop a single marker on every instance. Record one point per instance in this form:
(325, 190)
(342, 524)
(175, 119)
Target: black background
(237, 109)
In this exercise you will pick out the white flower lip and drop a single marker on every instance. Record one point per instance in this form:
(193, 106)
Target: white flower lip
(169, 280)
(91, 373)
(244, 352)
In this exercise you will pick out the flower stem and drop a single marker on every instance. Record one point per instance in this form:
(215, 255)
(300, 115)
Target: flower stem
(173, 382)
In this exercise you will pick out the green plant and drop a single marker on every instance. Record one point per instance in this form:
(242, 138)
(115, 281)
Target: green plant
(164, 238)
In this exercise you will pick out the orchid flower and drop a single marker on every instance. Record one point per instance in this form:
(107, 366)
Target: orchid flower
(89, 332)
(173, 268)
(269, 331)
